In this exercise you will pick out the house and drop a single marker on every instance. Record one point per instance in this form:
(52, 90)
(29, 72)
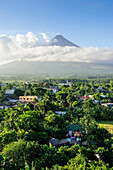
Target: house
(74, 132)
(60, 112)
(14, 88)
(4, 107)
(27, 98)
(66, 84)
(106, 90)
(96, 101)
(90, 95)
(103, 96)
(110, 105)
(13, 100)
(74, 127)
(73, 137)
(3, 84)
(85, 97)
(53, 89)
(27, 82)
(39, 98)
(101, 89)
(9, 92)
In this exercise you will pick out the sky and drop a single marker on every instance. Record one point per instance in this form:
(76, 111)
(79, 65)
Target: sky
(87, 23)
(84, 22)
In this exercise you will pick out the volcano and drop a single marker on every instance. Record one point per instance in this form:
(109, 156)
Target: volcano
(59, 40)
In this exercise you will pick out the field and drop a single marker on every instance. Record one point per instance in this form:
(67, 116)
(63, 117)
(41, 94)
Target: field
(107, 125)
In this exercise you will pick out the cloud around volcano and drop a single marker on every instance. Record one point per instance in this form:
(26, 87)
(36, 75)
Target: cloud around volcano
(29, 47)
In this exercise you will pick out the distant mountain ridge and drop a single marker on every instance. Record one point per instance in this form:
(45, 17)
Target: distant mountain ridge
(54, 69)
(59, 40)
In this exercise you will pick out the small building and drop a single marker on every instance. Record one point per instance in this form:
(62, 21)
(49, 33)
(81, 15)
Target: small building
(13, 100)
(27, 82)
(110, 105)
(74, 127)
(14, 88)
(53, 89)
(66, 84)
(9, 92)
(85, 97)
(27, 98)
(96, 101)
(103, 96)
(62, 113)
(106, 90)
(101, 89)
(3, 84)
(4, 107)
(90, 95)
(39, 98)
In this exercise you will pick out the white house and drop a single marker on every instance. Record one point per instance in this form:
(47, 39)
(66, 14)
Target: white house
(4, 107)
(60, 112)
(53, 89)
(9, 92)
(110, 105)
(67, 83)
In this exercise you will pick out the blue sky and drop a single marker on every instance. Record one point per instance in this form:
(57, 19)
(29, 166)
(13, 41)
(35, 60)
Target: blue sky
(84, 22)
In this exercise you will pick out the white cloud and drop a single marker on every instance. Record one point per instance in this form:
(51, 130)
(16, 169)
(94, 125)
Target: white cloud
(45, 37)
(28, 47)
(28, 40)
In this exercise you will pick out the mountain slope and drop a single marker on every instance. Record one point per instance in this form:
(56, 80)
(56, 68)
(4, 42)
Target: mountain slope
(59, 40)
(54, 69)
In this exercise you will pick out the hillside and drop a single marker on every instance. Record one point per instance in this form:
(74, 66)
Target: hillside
(54, 69)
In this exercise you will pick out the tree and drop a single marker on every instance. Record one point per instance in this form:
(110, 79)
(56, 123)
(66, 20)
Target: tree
(61, 97)
(15, 152)
(26, 93)
(30, 120)
(7, 137)
(18, 92)
(38, 91)
(88, 123)
(70, 99)
(29, 106)
(55, 120)
(9, 86)
(35, 100)
(96, 96)
(75, 103)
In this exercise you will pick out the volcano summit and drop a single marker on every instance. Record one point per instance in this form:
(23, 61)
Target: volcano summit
(59, 40)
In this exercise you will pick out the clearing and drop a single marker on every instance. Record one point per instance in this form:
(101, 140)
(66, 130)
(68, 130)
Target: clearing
(107, 125)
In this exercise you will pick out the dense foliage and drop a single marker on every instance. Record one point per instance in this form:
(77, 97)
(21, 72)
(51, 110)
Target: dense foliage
(26, 129)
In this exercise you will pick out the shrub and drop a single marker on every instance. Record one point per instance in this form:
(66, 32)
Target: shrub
(41, 137)
(7, 137)
(20, 151)
(31, 152)
(15, 151)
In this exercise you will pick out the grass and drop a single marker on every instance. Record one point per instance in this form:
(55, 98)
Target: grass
(107, 125)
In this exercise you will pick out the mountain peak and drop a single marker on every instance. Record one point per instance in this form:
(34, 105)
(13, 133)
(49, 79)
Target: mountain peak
(58, 36)
(59, 40)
